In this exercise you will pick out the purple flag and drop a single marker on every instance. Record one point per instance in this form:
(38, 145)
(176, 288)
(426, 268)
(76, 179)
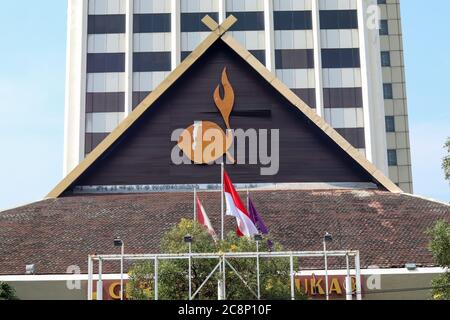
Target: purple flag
(256, 218)
(258, 221)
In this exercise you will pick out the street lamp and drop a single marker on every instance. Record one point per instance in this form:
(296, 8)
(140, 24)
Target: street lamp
(326, 239)
(188, 239)
(258, 238)
(119, 243)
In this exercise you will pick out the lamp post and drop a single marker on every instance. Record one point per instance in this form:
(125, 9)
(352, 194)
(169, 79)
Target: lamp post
(119, 243)
(326, 239)
(188, 240)
(258, 238)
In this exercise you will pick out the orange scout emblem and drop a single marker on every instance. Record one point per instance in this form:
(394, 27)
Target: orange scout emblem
(204, 142)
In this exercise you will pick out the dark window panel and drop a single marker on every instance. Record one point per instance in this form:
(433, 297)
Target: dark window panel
(340, 58)
(384, 28)
(151, 61)
(342, 98)
(192, 21)
(148, 23)
(388, 91)
(390, 124)
(92, 140)
(138, 96)
(338, 19)
(294, 59)
(385, 59)
(105, 102)
(292, 20)
(105, 62)
(111, 23)
(307, 95)
(355, 136)
(392, 157)
(184, 54)
(248, 21)
(260, 55)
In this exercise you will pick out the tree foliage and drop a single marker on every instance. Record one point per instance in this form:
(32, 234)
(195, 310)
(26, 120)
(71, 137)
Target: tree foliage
(7, 292)
(173, 283)
(446, 161)
(440, 247)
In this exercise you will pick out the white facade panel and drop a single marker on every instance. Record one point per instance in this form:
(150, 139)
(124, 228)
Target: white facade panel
(152, 42)
(151, 6)
(102, 122)
(294, 39)
(106, 43)
(148, 81)
(289, 5)
(101, 7)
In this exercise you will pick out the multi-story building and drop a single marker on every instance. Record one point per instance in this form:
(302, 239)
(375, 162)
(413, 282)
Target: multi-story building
(332, 53)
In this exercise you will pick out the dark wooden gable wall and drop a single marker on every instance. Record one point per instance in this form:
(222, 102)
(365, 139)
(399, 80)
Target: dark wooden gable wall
(142, 154)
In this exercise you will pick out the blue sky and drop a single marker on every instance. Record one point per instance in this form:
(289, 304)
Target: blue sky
(32, 77)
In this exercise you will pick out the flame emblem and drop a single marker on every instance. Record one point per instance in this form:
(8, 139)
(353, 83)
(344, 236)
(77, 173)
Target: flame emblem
(204, 142)
(226, 104)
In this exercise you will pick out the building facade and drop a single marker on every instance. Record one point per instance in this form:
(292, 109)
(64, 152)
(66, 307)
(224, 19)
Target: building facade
(133, 187)
(332, 53)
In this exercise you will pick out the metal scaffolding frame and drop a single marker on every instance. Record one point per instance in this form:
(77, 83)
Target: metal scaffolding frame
(223, 261)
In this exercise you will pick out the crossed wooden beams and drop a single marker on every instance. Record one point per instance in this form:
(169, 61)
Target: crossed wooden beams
(215, 27)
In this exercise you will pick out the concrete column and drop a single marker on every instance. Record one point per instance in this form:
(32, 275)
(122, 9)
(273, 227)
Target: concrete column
(222, 11)
(175, 8)
(372, 87)
(129, 49)
(317, 57)
(269, 35)
(75, 96)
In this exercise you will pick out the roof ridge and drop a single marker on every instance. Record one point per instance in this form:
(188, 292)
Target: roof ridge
(427, 198)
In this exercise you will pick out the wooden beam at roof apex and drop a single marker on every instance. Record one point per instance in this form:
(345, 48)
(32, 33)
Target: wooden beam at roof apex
(210, 23)
(224, 27)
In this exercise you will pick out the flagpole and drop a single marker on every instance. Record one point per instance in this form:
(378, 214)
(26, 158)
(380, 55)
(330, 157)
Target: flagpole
(248, 199)
(222, 167)
(195, 204)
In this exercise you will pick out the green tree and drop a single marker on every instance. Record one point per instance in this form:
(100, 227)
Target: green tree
(173, 275)
(446, 161)
(440, 247)
(440, 243)
(7, 292)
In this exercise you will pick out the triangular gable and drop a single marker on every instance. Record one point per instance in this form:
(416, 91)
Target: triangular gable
(219, 32)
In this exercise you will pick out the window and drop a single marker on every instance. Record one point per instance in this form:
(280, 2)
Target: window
(292, 20)
(101, 24)
(247, 21)
(150, 23)
(340, 58)
(338, 19)
(387, 90)
(105, 62)
(384, 28)
(385, 59)
(392, 157)
(390, 124)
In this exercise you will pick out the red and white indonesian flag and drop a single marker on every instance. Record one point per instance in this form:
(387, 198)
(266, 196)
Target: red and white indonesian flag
(236, 209)
(203, 219)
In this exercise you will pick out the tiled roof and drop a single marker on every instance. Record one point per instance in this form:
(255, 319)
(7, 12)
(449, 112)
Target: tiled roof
(388, 229)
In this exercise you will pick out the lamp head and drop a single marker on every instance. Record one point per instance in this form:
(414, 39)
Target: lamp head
(118, 242)
(30, 269)
(258, 237)
(328, 237)
(188, 238)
